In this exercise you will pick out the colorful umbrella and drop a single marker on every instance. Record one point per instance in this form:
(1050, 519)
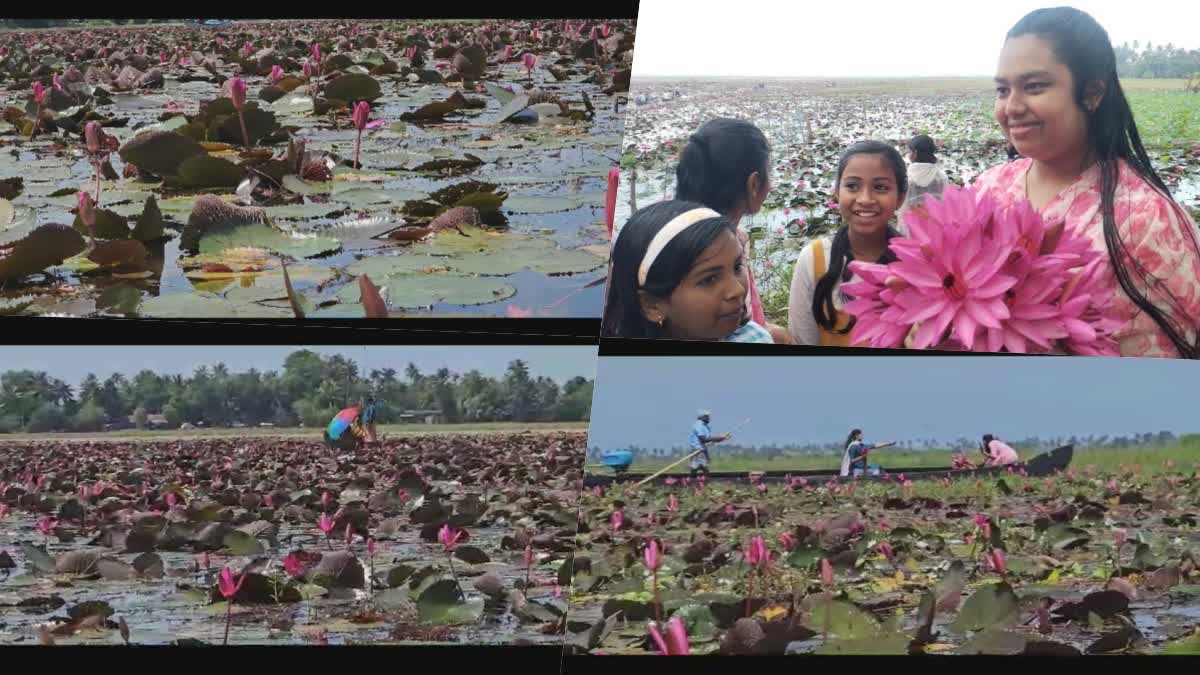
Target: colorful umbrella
(341, 422)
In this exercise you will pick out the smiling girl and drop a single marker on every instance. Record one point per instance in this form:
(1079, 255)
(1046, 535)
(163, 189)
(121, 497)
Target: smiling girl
(1061, 106)
(871, 184)
(678, 273)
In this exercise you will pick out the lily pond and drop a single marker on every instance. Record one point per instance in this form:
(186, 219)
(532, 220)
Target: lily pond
(426, 539)
(473, 181)
(810, 122)
(1089, 561)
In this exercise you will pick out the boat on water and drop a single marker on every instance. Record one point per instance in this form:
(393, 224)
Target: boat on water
(209, 23)
(1045, 464)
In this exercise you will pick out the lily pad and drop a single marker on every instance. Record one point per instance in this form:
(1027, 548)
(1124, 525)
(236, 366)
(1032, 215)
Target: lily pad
(993, 606)
(159, 152)
(521, 204)
(294, 183)
(206, 171)
(150, 224)
(264, 236)
(442, 604)
(422, 290)
(109, 225)
(44, 247)
(352, 88)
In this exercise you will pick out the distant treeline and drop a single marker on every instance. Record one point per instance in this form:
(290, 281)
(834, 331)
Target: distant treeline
(310, 389)
(1156, 61)
(922, 444)
(61, 23)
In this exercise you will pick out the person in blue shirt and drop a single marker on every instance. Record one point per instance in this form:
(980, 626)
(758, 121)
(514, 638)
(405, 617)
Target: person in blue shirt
(854, 460)
(699, 439)
(368, 419)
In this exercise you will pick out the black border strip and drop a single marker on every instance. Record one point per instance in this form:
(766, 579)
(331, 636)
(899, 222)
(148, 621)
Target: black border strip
(73, 331)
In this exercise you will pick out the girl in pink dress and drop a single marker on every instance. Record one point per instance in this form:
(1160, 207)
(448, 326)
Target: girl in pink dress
(998, 452)
(1061, 107)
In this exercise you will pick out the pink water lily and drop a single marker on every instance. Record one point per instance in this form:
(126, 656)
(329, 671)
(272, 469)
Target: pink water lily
(247, 49)
(4, 508)
(786, 541)
(886, 549)
(229, 587)
(530, 61)
(826, 573)
(757, 554)
(326, 523)
(508, 50)
(449, 537)
(237, 94)
(87, 213)
(276, 73)
(651, 556)
(616, 520)
(293, 565)
(675, 643)
(308, 70)
(997, 561)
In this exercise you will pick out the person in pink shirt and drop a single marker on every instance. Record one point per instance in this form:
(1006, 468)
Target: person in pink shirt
(1060, 105)
(726, 167)
(997, 452)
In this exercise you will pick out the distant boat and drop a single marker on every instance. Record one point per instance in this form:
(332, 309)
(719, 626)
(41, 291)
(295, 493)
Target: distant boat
(210, 23)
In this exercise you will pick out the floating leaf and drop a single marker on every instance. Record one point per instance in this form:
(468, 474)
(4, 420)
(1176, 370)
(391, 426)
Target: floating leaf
(846, 621)
(264, 236)
(410, 291)
(116, 253)
(41, 561)
(294, 183)
(46, 246)
(522, 204)
(150, 224)
(353, 88)
(206, 171)
(993, 606)
(442, 603)
(109, 225)
(159, 152)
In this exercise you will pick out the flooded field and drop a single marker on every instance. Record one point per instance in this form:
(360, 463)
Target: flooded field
(423, 539)
(1097, 559)
(472, 182)
(809, 123)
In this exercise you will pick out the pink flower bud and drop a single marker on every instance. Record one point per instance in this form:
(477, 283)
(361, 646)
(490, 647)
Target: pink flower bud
(237, 92)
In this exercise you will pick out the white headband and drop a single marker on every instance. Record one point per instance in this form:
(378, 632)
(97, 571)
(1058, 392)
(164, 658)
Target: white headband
(667, 233)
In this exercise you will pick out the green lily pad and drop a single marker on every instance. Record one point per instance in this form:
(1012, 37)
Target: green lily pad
(292, 104)
(108, 225)
(298, 185)
(1186, 647)
(150, 224)
(197, 306)
(119, 299)
(541, 204)
(259, 124)
(44, 247)
(170, 124)
(518, 103)
(410, 291)
(41, 561)
(500, 93)
(240, 543)
(992, 606)
(206, 171)
(262, 235)
(303, 211)
(159, 152)
(996, 642)
(442, 603)
(698, 620)
(353, 88)
(846, 620)
(893, 644)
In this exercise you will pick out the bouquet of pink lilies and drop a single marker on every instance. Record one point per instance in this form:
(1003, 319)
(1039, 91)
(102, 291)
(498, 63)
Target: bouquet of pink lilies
(973, 276)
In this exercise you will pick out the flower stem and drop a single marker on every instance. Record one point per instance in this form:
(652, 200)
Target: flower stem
(657, 602)
(357, 147)
(245, 136)
(450, 559)
(96, 168)
(228, 615)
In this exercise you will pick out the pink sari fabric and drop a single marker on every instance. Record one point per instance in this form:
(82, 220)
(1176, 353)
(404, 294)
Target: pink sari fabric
(1155, 235)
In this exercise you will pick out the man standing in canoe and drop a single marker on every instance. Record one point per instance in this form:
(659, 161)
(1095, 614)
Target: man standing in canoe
(699, 439)
(997, 452)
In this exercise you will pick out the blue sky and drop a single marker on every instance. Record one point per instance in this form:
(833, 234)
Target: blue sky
(72, 364)
(652, 402)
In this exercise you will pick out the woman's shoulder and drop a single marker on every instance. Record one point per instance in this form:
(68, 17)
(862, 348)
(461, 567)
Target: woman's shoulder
(751, 332)
(1002, 175)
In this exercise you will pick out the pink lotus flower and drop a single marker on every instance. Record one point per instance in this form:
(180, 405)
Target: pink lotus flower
(508, 50)
(605, 30)
(1120, 536)
(757, 554)
(651, 556)
(268, 501)
(676, 641)
(294, 565)
(516, 312)
(325, 522)
(39, 93)
(47, 524)
(229, 584)
(276, 73)
(826, 573)
(786, 541)
(672, 503)
(996, 559)
(87, 212)
(410, 53)
(237, 92)
(449, 537)
(171, 500)
(4, 509)
(530, 61)
(886, 549)
(316, 52)
(247, 50)
(308, 70)
(616, 520)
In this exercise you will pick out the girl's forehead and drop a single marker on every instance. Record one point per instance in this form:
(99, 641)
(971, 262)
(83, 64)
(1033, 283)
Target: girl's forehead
(864, 165)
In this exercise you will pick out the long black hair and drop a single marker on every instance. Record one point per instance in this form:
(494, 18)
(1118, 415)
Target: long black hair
(923, 149)
(850, 439)
(1083, 46)
(717, 160)
(839, 255)
(623, 311)
(987, 438)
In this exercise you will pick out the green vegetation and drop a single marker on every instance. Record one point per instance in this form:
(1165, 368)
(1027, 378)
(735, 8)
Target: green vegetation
(310, 390)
